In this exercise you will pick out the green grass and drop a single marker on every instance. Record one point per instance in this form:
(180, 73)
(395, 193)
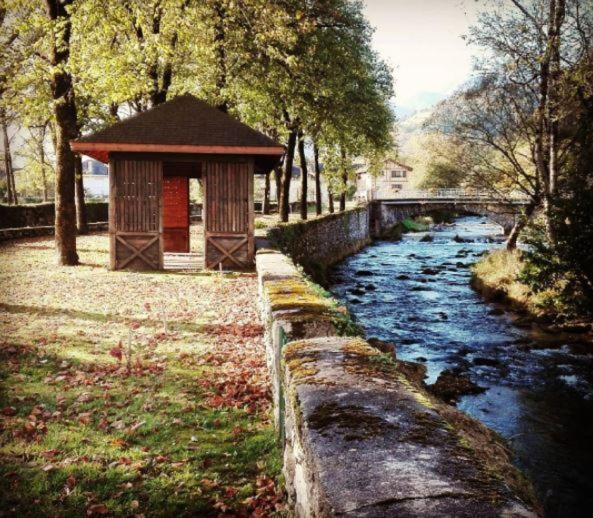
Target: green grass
(496, 275)
(416, 224)
(182, 429)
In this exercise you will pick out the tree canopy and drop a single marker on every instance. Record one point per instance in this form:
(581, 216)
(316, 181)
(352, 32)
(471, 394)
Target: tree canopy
(287, 67)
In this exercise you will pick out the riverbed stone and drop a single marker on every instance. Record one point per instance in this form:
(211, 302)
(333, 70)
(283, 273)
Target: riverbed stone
(452, 384)
(383, 346)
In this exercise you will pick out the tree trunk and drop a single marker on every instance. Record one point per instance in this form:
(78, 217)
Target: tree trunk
(557, 14)
(266, 204)
(11, 195)
(278, 181)
(81, 216)
(114, 111)
(344, 181)
(42, 162)
(284, 204)
(66, 130)
(330, 200)
(304, 176)
(318, 208)
(511, 243)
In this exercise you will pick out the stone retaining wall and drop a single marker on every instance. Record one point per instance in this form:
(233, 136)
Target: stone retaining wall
(360, 437)
(43, 214)
(17, 233)
(320, 242)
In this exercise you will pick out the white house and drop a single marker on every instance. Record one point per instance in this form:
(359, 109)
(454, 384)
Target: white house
(393, 179)
(95, 178)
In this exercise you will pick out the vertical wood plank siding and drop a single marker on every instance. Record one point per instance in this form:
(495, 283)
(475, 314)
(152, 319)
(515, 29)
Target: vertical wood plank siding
(228, 209)
(135, 214)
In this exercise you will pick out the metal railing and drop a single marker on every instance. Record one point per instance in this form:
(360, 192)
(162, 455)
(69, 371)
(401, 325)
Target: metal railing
(449, 194)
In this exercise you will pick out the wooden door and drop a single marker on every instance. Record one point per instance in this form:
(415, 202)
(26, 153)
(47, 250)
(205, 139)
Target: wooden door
(176, 214)
(135, 188)
(228, 215)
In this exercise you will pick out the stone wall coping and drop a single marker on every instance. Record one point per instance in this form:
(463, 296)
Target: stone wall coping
(376, 445)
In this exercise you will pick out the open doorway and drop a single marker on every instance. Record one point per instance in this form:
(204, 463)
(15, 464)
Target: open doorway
(196, 216)
(183, 231)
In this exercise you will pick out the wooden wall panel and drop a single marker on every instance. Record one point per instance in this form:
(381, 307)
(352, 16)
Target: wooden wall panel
(135, 214)
(228, 215)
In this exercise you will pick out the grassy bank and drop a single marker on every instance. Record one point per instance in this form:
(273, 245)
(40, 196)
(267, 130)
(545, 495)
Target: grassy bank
(131, 393)
(497, 277)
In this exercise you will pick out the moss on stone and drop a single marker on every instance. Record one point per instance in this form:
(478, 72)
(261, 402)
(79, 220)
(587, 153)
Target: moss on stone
(300, 368)
(294, 294)
(360, 347)
(353, 422)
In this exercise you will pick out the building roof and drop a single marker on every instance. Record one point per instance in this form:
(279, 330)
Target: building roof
(182, 125)
(404, 166)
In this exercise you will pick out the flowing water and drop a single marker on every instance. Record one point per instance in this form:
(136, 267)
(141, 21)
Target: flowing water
(539, 385)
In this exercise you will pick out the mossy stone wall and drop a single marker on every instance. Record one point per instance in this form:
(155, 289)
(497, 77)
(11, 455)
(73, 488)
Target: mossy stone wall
(359, 437)
(318, 243)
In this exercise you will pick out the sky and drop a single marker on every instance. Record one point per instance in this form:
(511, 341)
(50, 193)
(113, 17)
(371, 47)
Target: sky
(421, 40)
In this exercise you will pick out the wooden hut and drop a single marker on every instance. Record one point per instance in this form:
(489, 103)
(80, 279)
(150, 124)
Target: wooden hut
(151, 158)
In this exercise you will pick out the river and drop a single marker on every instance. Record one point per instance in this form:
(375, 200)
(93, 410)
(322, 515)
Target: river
(538, 385)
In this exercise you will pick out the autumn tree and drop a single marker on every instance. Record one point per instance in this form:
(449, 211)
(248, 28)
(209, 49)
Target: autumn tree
(8, 68)
(510, 115)
(64, 106)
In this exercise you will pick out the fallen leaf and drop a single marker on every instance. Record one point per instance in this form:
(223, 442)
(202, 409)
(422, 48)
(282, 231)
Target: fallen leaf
(8, 411)
(96, 509)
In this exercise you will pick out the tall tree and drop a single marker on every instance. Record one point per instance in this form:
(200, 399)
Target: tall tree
(11, 194)
(64, 105)
(8, 37)
(318, 207)
(304, 176)
(510, 116)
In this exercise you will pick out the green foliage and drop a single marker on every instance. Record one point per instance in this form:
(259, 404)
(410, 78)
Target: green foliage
(279, 66)
(566, 261)
(414, 225)
(565, 268)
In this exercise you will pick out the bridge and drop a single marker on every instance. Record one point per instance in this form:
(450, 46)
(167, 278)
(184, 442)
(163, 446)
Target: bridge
(388, 209)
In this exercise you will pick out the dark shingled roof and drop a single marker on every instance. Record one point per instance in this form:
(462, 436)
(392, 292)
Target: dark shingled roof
(184, 120)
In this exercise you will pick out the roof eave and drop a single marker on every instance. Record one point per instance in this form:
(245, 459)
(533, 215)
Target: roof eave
(104, 148)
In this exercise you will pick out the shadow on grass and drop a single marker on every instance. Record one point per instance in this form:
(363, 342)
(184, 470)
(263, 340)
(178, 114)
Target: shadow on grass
(98, 317)
(156, 468)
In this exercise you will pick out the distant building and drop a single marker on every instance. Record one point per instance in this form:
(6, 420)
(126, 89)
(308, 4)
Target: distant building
(94, 167)
(393, 178)
(95, 178)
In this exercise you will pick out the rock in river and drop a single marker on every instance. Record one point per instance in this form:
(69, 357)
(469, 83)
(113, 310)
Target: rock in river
(429, 271)
(384, 347)
(357, 291)
(452, 384)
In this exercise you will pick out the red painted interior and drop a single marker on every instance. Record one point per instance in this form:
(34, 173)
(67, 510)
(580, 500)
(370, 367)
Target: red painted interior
(176, 213)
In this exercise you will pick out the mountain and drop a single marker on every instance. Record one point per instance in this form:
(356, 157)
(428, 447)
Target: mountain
(412, 125)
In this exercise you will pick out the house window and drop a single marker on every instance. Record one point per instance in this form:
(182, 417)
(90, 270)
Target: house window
(398, 174)
(396, 186)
